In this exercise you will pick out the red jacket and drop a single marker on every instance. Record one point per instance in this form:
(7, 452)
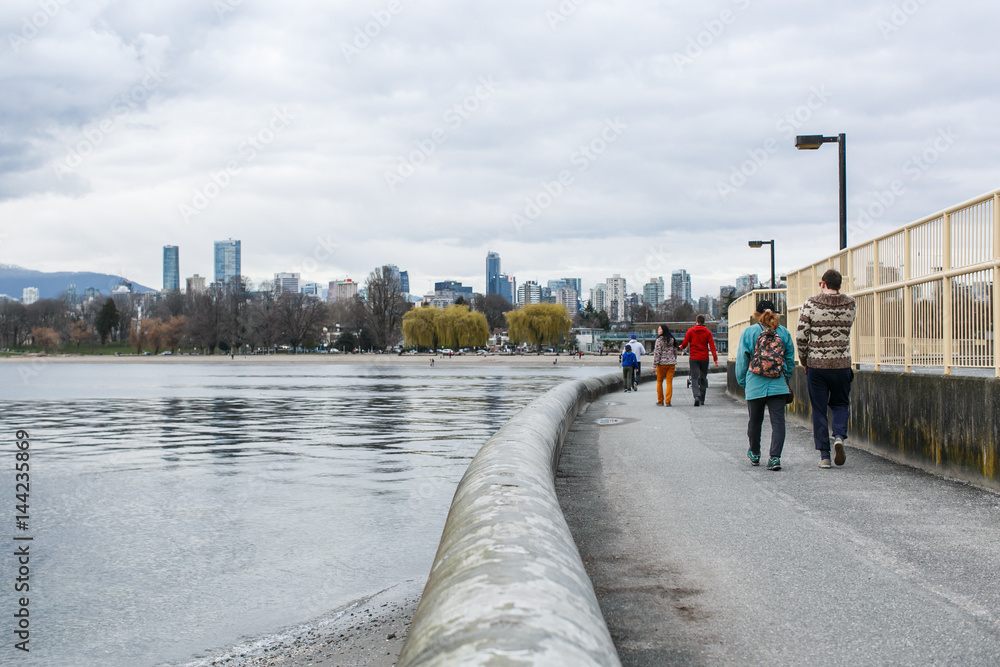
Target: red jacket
(700, 339)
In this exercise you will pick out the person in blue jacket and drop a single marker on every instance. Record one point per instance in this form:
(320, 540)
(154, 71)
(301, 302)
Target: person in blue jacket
(765, 349)
(629, 364)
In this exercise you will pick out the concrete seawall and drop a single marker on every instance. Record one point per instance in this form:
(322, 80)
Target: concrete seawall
(507, 585)
(942, 424)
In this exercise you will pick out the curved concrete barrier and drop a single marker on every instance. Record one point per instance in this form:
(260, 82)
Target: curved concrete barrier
(507, 586)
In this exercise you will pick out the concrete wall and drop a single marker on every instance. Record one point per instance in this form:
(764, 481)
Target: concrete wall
(507, 586)
(944, 424)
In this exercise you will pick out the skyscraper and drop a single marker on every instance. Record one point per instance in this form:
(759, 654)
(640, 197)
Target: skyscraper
(508, 287)
(286, 282)
(614, 298)
(654, 292)
(171, 268)
(680, 285)
(227, 260)
(493, 273)
(597, 298)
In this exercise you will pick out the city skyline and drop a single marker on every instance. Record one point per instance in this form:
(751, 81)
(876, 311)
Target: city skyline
(596, 135)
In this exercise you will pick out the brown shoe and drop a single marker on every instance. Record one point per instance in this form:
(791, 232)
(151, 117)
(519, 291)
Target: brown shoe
(659, 402)
(839, 455)
(824, 463)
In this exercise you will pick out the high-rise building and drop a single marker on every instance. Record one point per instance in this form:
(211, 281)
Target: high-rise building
(404, 281)
(529, 292)
(614, 298)
(29, 295)
(312, 289)
(746, 283)
(342, 290)
(508, 287)
(195, 284)
(286, 282)
(597, 300)
(680, 286)
(493, 275)
(654, 292)
(569, 298)
(171, 268)
(72, 294)
(228, 264)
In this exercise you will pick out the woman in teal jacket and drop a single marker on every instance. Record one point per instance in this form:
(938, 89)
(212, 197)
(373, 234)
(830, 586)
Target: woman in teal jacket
(762, 391)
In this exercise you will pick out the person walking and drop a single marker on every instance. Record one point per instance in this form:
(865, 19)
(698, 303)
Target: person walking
(628, 368)
(764, 363)
(823, 336)
(699, 341)
(638, 350)
(664, 362)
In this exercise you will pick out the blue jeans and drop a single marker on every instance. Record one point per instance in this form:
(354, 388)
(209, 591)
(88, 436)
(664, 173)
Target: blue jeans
(829, 388)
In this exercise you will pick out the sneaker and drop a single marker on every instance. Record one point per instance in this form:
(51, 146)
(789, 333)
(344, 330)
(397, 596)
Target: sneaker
(824, 463)
(635, 387)
(659, 402)
(696, 404)
(754, 458)
(839, 455)
(774, 463)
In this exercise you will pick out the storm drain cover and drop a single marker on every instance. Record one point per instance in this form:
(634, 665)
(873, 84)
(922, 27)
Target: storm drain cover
(608, 421)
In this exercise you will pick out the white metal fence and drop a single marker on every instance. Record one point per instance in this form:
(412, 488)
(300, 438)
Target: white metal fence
(925, 292)
(741, 314)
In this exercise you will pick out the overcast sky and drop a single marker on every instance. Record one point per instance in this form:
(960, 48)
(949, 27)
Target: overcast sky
(577, 139)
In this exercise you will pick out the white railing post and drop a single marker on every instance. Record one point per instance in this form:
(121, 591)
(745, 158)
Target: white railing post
(996, 284)
(907, 304)
(876, 306)
(946, 295)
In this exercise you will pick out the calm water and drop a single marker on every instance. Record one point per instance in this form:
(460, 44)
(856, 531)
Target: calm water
(178, 509)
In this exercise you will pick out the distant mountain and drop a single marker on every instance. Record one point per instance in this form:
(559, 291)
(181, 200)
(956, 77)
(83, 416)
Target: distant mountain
(13, 280)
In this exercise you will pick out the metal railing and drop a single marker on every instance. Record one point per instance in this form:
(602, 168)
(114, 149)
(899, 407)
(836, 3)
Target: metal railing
(925, 292)
(741, 314)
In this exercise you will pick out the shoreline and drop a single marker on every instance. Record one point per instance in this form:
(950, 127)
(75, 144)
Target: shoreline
(547, 359)
(367, 631)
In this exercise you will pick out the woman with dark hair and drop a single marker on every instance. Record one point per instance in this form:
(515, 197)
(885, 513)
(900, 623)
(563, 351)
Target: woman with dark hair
(764, 364)
(664, 361)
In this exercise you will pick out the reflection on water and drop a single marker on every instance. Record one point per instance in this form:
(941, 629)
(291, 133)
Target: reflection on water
(179, 508)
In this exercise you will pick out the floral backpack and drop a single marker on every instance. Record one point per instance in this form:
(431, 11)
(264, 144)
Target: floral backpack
(768, 357)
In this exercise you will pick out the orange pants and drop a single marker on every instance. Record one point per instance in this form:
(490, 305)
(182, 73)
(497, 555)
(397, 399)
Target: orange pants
(664, 373)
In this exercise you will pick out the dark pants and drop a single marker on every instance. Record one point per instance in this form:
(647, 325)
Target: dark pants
(829, 388)
(699, 379)
(629, 377)
(638, 371)
(776, 411)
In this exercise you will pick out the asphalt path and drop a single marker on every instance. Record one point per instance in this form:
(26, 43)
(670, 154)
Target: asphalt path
(698, 558)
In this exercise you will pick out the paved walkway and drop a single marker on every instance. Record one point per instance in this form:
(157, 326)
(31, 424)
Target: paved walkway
(700, 559)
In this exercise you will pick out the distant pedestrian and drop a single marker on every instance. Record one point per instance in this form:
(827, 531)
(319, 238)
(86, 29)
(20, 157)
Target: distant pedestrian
(628, 368)
(664, 362)
(638, 350)
(824, 339)
(764, 364)
(699, 341)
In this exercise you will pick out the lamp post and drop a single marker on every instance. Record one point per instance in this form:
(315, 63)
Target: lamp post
(757, 244)
(814, 141)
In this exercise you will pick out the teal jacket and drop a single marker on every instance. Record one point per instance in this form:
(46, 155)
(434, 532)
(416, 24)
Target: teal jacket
(758, 386)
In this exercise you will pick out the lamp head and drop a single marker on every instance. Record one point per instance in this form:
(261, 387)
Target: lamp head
(755, 244)
(809, 141)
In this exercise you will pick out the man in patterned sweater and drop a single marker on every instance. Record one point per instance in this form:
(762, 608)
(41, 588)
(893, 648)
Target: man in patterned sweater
(823, 338)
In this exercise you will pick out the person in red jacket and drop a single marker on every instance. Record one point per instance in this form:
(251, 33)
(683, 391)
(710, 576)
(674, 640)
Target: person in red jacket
(700, 341)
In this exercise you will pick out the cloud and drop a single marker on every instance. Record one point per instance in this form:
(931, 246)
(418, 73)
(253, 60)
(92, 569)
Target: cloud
(377, 87)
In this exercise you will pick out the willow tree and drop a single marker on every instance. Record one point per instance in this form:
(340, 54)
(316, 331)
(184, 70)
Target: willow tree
(458, 327)
(538, 323)
(419, 329)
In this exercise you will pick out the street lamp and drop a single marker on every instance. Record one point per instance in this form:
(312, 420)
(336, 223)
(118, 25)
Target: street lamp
(757, 244)
(814, 141)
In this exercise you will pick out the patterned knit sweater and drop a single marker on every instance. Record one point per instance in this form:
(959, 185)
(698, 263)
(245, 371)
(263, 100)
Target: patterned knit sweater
(823, 335)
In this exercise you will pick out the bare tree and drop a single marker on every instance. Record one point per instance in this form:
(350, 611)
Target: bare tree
(385, 306)
(301, 318)
(13, 323)
(493, 306)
